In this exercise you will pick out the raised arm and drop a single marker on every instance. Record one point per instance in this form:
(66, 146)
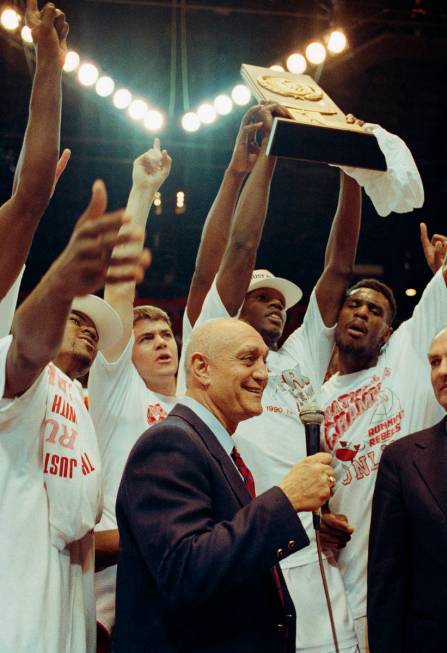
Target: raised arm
(239, 259)
(36, 169)
(149, 172)
(340, 250)
(217, 225)
(82, 268)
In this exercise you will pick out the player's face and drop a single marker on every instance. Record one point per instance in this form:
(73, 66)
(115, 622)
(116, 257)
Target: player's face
(362, 326)
(238, 377)
(155, 352)
(437, 357)
(79, 345)
(264, 309)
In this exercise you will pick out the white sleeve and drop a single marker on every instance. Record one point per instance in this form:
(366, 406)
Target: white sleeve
(212, 308)
(312, 342)
(429, 317)
(108, 386)
(186, 327)
(21, 417)
(8, 305)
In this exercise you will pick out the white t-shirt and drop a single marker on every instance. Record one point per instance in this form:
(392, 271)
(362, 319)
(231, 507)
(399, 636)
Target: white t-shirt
(271, 444)
(367, 410)
(50, 500)
(8, 305)
(122, 408)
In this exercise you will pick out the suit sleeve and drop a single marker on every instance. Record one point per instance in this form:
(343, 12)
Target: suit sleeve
(168, 489)
(388, 561)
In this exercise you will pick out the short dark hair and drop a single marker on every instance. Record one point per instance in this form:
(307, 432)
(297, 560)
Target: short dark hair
(381, 287)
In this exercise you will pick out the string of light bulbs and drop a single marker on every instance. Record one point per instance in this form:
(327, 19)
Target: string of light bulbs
(140, 109)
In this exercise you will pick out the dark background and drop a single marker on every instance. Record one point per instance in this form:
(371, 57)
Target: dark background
(393, 73)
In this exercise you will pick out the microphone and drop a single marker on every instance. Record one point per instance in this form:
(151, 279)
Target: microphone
(311, 415)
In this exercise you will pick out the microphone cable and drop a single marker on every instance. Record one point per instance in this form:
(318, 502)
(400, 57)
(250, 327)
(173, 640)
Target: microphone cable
(326, 592)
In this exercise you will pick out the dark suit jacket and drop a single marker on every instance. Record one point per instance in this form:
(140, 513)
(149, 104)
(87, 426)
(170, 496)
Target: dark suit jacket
(407, 570)
(195, 574)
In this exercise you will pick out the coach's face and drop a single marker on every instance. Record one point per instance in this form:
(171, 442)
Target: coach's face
(238, 376)
(437, 358)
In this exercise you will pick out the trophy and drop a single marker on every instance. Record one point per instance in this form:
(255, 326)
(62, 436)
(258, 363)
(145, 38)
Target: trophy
(317, 129)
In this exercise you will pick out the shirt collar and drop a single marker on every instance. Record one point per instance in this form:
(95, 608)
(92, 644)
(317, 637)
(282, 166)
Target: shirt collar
(219, 431)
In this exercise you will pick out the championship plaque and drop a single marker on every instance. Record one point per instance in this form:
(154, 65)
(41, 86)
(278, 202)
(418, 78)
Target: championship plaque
(317, 129)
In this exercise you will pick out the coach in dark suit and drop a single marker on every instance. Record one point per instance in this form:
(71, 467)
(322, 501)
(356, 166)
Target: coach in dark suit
(407, 570)
(198, 571)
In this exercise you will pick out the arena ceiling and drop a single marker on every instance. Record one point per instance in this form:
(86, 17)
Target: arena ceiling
(183, 52)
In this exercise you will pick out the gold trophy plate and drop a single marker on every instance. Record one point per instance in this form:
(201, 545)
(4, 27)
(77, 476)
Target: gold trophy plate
(317, 129)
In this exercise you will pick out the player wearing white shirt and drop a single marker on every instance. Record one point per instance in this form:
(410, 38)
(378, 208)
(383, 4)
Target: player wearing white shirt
(49, 461)
(381, 393)
(131, 385)
(273, 442)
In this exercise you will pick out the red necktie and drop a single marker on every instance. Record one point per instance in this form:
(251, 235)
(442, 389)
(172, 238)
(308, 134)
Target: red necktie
(244, 471)
(250, 485)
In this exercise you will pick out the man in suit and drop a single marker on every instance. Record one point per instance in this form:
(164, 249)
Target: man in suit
(407, 570)
(198, 570)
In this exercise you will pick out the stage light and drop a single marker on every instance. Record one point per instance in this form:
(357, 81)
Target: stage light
(277, 68)
(88, 74)
(296, 63)
(190, 122)
(316, 52)
(105, 86)
(158, 203)
(122, 98)
(223, 104)
(241, 95)
(26, 35)
(337, 42)
(72, 61)
(206, 113)
(153, 120)
(411, 292)
(10, 20)
(138, 109)
(180, 204)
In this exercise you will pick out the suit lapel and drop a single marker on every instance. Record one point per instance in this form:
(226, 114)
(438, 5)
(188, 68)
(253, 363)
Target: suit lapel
(430, 459)
(216, 450)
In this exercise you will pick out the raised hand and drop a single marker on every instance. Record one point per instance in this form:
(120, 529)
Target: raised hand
(86, 263)
(258, 119)
(151, 168)
(49, 30)
(435, 250)
(351, 120)
(246, 149)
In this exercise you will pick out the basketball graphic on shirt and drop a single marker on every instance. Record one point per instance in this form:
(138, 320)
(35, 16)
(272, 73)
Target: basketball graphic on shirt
(155, 413)
(388, 405)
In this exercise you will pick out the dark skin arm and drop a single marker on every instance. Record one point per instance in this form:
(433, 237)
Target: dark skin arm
(107, 548)
(82, 268)
(37, 167)
(217, 225)
(239, 259)
(340, 250)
